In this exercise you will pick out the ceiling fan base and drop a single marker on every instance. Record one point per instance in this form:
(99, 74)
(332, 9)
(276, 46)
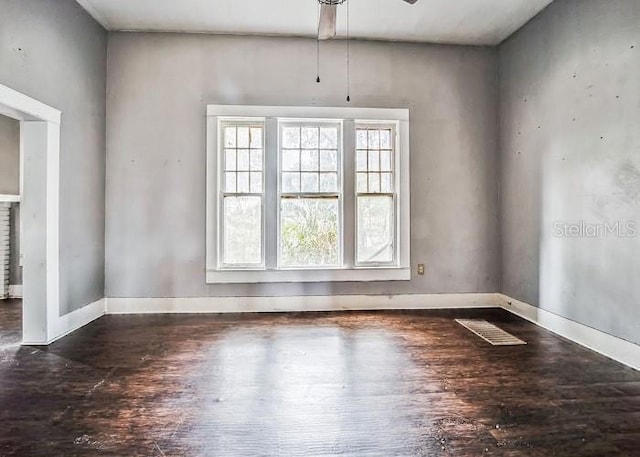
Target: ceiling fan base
(327, 25)
(328, 11)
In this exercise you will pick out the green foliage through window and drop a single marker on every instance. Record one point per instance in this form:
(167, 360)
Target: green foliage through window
(309, 232)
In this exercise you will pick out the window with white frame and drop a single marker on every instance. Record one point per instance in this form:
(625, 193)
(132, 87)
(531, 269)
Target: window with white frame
(375, 194)
(299, 194)
(242, 194)
(310, 195)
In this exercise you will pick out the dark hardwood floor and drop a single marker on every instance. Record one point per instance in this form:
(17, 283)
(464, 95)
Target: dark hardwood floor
(317, 384)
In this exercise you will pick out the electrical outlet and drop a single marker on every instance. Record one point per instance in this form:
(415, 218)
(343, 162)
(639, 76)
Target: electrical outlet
(421, 268)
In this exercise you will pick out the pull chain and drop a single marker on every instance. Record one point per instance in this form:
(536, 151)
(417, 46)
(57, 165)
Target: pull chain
(348, 57)
(318, 48)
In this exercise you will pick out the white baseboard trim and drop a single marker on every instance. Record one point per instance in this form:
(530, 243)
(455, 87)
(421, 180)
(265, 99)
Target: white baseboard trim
(79, 318)
(300, 303)
(15, 291)
(72, 321)
(610, 346)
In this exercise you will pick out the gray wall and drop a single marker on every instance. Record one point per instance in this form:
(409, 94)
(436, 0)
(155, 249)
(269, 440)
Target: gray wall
(52, 50)
(570, 152)
(10, 185)
(9, 156)
(158, 86)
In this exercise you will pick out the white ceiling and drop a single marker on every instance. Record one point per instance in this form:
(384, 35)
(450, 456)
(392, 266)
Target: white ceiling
(478, 22)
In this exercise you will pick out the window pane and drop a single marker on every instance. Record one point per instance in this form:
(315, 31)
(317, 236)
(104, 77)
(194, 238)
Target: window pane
(328, 160)
(243, 183)
(230, 182)
(385, 139)
(290, 160)
(386, 185)
(374, 139)
(290, 182)
(329, 182)
(374, 182)
(243, 137)
(230, 159)
(230, 137)
(291, 137)
(255, 140)
(361, 185)
(310, 137)
(243, 159)
(309, 161)
(374, 160)
(256, 182)
(385, 161)
(242, 230)
(361, 161)
(309, 235)
(375, 229)
(256, 160)
(361, 139)
(329, 138)
(309, 182)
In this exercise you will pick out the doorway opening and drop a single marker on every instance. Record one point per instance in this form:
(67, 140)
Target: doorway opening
(33, 218)
(10, 256)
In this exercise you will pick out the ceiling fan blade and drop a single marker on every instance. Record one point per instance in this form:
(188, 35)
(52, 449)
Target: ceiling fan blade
(327, 24)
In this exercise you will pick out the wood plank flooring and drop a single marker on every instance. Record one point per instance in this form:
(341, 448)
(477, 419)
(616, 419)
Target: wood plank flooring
(313, 384)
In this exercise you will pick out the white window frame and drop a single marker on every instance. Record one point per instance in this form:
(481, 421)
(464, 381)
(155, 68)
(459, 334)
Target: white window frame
(340, 193)
(399, 270)
(395, 164)
(239, 122)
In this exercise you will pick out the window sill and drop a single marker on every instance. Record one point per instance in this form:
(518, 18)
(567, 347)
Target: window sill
(323, 275)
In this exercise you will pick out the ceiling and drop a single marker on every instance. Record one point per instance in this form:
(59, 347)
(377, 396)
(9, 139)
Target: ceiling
(474, 22)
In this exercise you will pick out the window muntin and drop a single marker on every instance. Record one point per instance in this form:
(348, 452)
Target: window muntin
(242, 227)
(309, 155)
(310, 195)
(375, 195)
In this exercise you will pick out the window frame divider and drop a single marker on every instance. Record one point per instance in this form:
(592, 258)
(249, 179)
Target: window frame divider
(349, 202)
(272, 188)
